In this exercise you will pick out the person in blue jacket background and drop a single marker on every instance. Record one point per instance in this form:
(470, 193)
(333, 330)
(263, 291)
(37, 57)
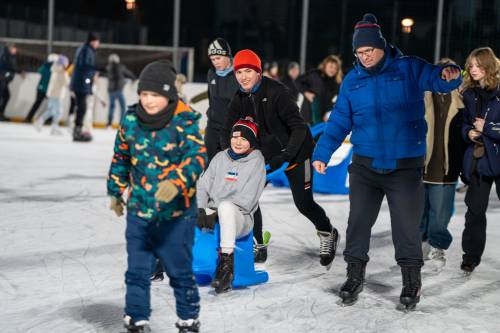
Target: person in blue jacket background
(381, 101)
(81, 82)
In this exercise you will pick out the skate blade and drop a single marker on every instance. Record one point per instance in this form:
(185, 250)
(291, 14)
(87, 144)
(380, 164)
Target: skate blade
(406, 308)
(347, 302)
(329, 266)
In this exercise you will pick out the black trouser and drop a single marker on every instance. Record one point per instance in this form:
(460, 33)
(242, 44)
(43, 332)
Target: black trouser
(476, 199)
(405, 195)
(40, 96)
(81, 108)
(4, 96)
(300, 179)
(212, 142)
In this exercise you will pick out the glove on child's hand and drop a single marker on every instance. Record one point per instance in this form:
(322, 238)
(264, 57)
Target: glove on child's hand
(117, 206)
(205, 220)
(166, 191)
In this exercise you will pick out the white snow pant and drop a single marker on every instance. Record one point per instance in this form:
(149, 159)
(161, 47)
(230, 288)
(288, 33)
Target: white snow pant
(233, 225)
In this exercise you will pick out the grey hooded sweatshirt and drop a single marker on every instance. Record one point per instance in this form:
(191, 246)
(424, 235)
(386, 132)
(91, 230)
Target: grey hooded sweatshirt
(238, 181)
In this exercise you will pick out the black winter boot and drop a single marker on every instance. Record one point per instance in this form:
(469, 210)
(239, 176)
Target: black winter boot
(224, 274)
(412, 286)
(354, 285)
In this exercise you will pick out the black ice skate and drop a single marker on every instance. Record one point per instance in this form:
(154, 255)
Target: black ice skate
(224, 274)
(186, 326)
(467, 266)
(141, 326)
(412, 287)
(354, 285)
(259, 253)
(328, 242)
(79, 136)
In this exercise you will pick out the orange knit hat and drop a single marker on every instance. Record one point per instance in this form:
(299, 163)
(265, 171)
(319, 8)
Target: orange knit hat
(247, 59)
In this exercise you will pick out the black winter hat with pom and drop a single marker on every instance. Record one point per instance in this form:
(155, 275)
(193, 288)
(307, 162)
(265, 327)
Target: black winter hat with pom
(367, 33)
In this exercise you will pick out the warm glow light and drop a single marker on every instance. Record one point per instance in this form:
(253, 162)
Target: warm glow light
(407, 23)
(130, 4)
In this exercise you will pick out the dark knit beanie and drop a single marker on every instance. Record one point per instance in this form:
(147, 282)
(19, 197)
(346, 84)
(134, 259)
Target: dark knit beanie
(367, 33)
(247, 129)
(159, 76)
(92, 36)
(219, 47)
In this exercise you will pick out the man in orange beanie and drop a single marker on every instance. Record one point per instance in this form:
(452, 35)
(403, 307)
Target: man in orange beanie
(284, 138)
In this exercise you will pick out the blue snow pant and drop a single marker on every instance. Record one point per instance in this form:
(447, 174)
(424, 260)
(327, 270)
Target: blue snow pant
(171, 242)
(439, 201)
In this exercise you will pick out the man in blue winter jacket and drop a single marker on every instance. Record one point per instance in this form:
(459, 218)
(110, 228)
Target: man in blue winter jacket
(381, 101)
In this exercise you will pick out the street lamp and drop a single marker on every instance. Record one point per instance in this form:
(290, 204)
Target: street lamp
(130, 4)
(407, 23)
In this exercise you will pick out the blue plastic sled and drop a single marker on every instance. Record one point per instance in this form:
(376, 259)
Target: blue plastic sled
(335, 180)
(205, 252)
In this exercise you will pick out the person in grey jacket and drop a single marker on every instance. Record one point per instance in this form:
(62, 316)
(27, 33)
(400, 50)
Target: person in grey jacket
(232, 186)
(117, 74)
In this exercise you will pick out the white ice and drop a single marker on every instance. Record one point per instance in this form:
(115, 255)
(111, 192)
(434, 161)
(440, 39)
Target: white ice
(62, 259)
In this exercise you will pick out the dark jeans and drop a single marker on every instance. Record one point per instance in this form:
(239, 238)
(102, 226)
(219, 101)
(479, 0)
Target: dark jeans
(476, 199)
(40, 96)
(4, 96)
(212, 142)
(439, 200)
(81, 108)
(171, 242)
(301, 180)
(405, 196)
(116, 95)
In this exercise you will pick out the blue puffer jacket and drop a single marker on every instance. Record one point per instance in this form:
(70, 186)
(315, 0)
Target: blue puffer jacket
(384, 110)
(489, 164)
(85, 68)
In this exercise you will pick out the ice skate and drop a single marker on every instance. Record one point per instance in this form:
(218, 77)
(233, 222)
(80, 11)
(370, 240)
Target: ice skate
(328, 247)
(467, 266)
(224, 274)
(354, 284)
(141, 326)
(189, 325)
(412, 287)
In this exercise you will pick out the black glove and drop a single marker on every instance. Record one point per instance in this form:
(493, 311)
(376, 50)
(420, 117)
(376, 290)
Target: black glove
(276, 162)
(206, 221)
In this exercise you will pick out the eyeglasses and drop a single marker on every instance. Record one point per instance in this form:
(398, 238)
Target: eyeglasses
(365, 53)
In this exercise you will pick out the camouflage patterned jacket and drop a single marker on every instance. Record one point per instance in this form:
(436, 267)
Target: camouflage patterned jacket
(143, 158)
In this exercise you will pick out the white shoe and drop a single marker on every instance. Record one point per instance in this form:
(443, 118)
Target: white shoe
(426, 250)
(437, 254)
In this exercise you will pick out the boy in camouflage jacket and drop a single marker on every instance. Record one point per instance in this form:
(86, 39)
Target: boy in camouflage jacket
(158, 155)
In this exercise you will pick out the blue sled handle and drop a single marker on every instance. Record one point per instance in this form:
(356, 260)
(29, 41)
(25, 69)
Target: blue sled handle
(273, 174)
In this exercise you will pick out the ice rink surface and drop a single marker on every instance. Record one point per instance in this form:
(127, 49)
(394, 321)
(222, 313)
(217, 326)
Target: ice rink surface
(62, 259)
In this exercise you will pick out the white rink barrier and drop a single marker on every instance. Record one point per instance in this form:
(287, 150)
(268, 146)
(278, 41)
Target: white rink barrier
(23, 94)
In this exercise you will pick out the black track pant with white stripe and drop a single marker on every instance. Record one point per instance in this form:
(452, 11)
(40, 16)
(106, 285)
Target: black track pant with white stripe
(301, 180)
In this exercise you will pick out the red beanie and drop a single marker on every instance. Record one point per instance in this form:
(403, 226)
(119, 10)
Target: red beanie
(247, 59)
